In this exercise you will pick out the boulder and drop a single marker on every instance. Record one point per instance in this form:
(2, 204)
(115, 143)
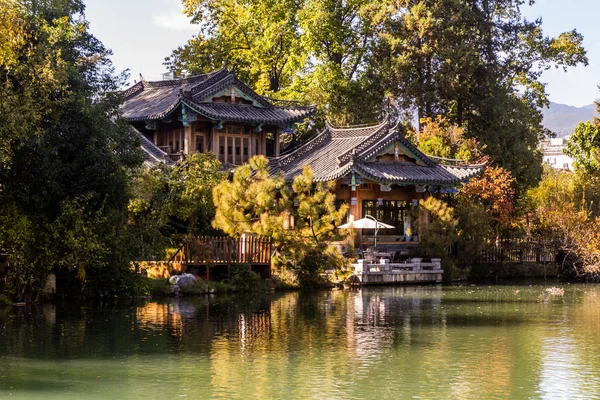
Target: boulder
(184, 280)
(173, 290)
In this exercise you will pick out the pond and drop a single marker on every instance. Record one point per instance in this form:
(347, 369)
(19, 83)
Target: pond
(435, 342)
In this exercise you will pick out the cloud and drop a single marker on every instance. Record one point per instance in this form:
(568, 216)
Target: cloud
(174, 20)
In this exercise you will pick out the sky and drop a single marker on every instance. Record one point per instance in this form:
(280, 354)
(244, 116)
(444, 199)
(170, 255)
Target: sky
(141, 33)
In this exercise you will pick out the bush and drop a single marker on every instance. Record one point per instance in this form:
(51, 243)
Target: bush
(145, 286)
(4, 300)
(244, 280)
(198, 288)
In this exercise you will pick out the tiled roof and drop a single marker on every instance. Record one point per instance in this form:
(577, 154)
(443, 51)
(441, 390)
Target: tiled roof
(152, 154)
(205, 92)
(411, 173)
(156, 100)
(249, 113)
(335, 153)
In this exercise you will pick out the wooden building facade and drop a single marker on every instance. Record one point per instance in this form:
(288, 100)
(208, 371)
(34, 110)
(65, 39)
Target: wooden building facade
(214, 112)
(378, 172)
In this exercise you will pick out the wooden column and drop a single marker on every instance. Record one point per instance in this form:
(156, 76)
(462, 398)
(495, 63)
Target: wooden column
(187, 139)
(277, 142)
(423, 217)
(193, 127)
(357, 211)
(215, 140)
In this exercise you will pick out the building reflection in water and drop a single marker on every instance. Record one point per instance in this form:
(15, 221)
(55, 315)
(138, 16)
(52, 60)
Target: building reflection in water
(382, 318)
(401, 342)
(160, 315)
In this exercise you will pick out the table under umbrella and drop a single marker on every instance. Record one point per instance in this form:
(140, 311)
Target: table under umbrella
(368, 222)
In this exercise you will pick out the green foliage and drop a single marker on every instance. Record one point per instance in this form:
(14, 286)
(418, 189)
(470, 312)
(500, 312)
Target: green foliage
(441, 233)
(313, 51)
(65, 167)
(559, 186)
(191, 185)
(145, 286)
(476, 63)
(5, 300)
(475, 230)
(301, 219)
(584, 147)
(252, 202)
(198, 288)
(168, 203)
(260, 38)
(439, 138)
(243, 280)
(456, 234)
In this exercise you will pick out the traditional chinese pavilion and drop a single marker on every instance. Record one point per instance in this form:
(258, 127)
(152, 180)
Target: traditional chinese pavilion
(378, 172)
(213, 112)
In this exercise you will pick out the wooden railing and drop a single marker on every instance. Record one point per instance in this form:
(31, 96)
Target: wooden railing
(214, 250)
(516, 251)
(176, 156)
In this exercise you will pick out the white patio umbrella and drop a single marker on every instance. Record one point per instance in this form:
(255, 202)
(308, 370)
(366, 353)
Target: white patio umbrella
(368, 222)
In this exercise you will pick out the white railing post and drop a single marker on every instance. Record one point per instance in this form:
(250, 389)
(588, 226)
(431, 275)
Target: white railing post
(416, 263)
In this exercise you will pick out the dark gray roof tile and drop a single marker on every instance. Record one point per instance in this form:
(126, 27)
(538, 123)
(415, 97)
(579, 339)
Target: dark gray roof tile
(336, 152)
(156, 100)
(249, 113)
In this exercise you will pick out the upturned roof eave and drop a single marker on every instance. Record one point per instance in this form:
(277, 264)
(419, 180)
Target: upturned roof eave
(157, 117)
(204, 86)
(405, 181)
(307, 112)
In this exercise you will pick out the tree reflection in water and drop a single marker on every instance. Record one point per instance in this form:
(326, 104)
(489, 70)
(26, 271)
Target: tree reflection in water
(430, 342)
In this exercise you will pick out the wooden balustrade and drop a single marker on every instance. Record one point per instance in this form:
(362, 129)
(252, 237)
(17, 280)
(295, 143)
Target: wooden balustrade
(515, 251)
(214, 250)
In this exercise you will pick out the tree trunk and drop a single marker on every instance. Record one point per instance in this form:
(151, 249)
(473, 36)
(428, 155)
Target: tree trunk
(274, 80)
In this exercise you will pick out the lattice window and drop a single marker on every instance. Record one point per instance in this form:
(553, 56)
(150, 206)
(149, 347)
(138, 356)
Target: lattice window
(392, 212)
(234, 144)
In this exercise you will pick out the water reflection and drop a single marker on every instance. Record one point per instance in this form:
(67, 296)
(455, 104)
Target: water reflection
(402, 342)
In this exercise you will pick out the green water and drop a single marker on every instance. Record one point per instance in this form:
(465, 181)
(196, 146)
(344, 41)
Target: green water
(474, 342)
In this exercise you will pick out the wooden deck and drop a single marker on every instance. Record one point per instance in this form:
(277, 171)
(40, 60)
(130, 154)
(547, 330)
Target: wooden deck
(214, 255)
(384, 272)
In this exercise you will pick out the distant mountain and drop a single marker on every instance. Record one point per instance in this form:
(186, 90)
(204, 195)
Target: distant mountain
(562, 119)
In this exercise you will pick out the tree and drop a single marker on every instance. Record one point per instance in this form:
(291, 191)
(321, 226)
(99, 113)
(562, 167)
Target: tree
(479, 64)
(170, 204)
(301, 219)
(584, 147)
(563, 209)
(259, 38)
(339, 37)
(192, 183)
(312, 51)
(66, 155)
(494, 191)
(439, 138)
